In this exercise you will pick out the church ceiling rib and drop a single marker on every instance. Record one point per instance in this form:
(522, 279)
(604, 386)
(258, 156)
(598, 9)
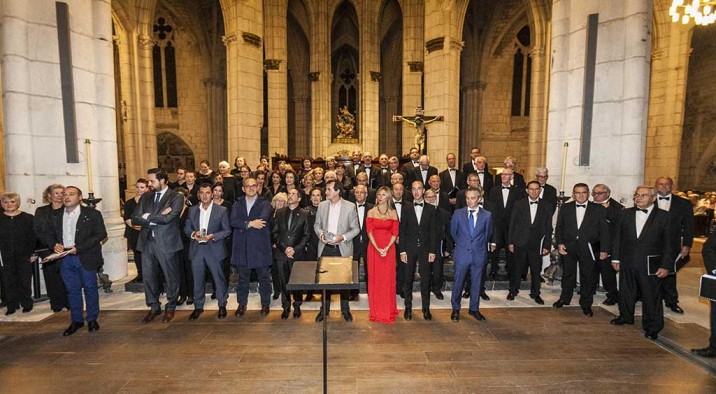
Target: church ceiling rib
(390, 14)
(299, 11)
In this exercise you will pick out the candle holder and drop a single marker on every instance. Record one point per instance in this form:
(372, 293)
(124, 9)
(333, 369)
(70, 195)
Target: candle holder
(91, 201)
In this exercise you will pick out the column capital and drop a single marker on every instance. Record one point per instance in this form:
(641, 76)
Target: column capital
(314, 76)
(457, 44)
(435, 44)
(272, 64)
(375, 76)
(415, 67)
(537, 51)
(251, 39)
(229, 39)
(145, 41)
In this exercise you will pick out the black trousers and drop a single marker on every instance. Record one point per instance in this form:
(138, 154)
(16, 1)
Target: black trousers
(586, 278)
(712, 338)
(668, 290)
(56, 291)
(424, 269)
(437, 275)
(186, 276)
(604, 269)
(652, 312)
(361, 257)
(526, 256)
(399, 274)
(334, 251)
(283, 270)
(17, 277)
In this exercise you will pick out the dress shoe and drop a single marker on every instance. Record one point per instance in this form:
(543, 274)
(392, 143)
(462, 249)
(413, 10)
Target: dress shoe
(285, 313)
(213, 296)
(559, 304)
(587, 311)
(541, 279)
(168, 316)
(309, 297)
(264, 310)
(510, 296)
(477, 315)
(538, 300)
(190, 301)
(29, 308)
(484, 296)
(275, 296)
(408, 314)
(427, 315)
(619, 321)
(609, 302)
(240, 310)
(92, 326)
(651, 335)
(347, 316)
(150, 316)
(455, 315)
(56, 310)
(10, 311)
(74, 326)
(222, 312)
(674, 308)
(181, 300)
(195, 314)
(296, 312)
(439, 295)
(402, 294)
(466, 294)
(705, 352)
(319, 316)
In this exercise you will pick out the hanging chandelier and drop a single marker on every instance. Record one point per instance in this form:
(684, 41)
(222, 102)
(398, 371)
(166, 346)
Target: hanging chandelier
(702, 12)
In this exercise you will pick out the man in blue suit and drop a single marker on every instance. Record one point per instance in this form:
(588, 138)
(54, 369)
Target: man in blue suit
(207, 226)
(471, 230)
(250, 218)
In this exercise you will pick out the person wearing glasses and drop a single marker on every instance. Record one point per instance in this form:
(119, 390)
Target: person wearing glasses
(601, 194)
(548, 192)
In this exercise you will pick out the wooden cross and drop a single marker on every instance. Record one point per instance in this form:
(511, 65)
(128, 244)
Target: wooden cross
(419, 120)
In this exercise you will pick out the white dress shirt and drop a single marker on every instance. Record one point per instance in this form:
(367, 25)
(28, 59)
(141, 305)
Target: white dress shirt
(665, 204)
(398, 207)
(250, 204)
(69, 227)
(505, 195)
(533, 209)
(419, 210)
(640, 219)
(580, 213)
(361, 214)
(452, 172)
(204, 215)
(334, 213)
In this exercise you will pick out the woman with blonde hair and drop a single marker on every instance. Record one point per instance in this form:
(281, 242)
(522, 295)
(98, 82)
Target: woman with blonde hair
(17, 242)
(43, 226)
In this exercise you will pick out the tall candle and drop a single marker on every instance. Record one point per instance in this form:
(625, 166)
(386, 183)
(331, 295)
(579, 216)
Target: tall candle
(564, 165)
(89, 165)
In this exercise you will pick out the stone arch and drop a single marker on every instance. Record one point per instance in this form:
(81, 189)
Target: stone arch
(173, 152)
(299, 88)
(345, 65)
(390, 39)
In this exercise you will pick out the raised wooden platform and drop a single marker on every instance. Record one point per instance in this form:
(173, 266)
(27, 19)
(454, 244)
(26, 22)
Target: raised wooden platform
(516, 350)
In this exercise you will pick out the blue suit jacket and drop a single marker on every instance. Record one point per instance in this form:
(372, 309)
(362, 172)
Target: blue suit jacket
(251, 247)
(470, 249)
(214, 250)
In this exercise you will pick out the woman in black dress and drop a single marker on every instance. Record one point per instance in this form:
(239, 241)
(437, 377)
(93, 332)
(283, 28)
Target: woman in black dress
(230, 184)
(17, 242)
(131, 232)
(44, 225)
(276, 185)
(205, 173)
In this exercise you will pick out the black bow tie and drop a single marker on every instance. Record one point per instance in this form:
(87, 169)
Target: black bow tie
(451, 169)
(643, 210)
(480, 172)
(534, 202)
(418, 204)
(505, 187)
(361, 205)
(397, 202)
(581, 205)
(665, 198)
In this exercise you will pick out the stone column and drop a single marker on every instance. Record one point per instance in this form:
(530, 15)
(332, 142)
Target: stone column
(244, 27)
(303, 139)
(216, 120)
(369, 78)
(320, 77)
(472, 94)
(413, 66)
(34, 129)
(537, 137)
(620, 98)
(276, 68)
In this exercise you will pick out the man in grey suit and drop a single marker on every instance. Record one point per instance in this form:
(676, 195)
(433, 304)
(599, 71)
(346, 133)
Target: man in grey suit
(160, 243)
(336, 225)
(207, 226)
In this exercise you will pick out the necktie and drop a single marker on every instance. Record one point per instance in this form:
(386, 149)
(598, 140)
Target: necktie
(418, 204)
(665, 198)
(581, 205)
(643, 210)
(290, 218)
(472, 222)
(157, 197)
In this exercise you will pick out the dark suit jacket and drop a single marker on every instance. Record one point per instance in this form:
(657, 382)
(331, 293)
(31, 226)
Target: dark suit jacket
(612, 215)
(297, 236)
(518, 180)
(594, 231)
(370, 199)
(681, 223)
(549, 194)
(487, 183)
(382, 177)
(632, 251)
(167, 232)
(523, 232)
(89, 234)
(417, 175)
(251, 246)
(442, 233)
(360, 242)
(374, 175)
(468, 168)
(218, 225)
(418, 239)
(503, 213)
(446, 185)
(44, 227)
(407, 170)
(444, 202)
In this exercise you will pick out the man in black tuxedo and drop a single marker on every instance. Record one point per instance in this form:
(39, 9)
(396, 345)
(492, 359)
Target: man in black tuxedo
(417, 247)
(423, 171)
(601, 195)
(528, 239)
(355, 165)
(442, 198)
(452, 178)
(290, 233)
(582, 235)
(487, 182)
(518, 179)
(472, 182)
(398, 190)
(709, 254)
(383, 172)
(681, 226)
(502, 198)
(548, 192)
(160, 242)
(469, 167)
(83, 242)
(642, 256)
(360, 242)
(373, 173)
(362, 180)
(443, 243)
(407, 168)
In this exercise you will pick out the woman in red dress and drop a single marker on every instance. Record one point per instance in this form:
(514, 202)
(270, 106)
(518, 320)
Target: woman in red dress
(382, 228)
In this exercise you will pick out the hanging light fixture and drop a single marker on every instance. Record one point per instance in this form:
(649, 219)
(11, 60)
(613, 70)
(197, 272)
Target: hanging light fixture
(701, 12)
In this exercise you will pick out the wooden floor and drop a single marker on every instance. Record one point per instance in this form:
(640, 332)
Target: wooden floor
(517, 350)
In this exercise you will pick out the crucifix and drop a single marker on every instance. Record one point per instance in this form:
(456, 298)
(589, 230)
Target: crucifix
(419, 120)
